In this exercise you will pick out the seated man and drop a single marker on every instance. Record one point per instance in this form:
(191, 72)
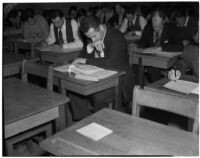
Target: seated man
(160, 36)
(188, 32)
(36, 28)
(133, 23)
(187, 27)
(63, 32)
(107, 49)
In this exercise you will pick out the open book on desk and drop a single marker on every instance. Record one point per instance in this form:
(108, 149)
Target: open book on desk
(86, 72)
(183, 86)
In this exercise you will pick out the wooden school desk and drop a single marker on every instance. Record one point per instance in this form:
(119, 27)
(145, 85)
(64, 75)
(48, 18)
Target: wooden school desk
(156, 61)
(131, 136)
(158, 85)
(27, 106)
(12, 63)
(57, 56)
(132, 39)
(26, 45)
(68, 82)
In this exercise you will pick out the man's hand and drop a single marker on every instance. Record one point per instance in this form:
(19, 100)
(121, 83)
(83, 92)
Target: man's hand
(99, 45)
(44, 44)
(79, 61)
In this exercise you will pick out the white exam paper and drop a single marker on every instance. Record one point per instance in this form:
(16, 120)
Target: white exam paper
(94, 131)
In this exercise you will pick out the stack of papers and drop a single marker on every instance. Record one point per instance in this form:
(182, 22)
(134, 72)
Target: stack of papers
(94, 131)
(86, 72)
(183, 86)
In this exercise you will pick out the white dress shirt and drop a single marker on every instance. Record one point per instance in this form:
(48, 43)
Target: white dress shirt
(142, 22)
(77, 41)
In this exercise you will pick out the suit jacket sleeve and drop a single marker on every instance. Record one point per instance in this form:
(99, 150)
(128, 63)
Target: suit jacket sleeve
(115, 47)
(175, 43)
(143, 43)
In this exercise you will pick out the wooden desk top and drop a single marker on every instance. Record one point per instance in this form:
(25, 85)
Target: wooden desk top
(22, 99)
(131, 136)
(10, 58)
(71, 78)
(56, 52)
(158, 85)
(153, 60)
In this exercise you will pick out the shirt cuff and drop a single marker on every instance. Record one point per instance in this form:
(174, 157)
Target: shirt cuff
(89, 49)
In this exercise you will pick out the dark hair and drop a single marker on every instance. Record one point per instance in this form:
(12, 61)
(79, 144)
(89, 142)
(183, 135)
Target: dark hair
(88, 22)
(180, 13)
(27, 13)
(131, 10)
(159, 12)
(81, 12)
(12, 14)
(72, 8)
(56, 13)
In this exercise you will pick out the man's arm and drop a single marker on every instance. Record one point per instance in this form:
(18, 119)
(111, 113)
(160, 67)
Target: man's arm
(77, 40)
(51, 38)
(124, 26)
(44, 27)
(175, 43)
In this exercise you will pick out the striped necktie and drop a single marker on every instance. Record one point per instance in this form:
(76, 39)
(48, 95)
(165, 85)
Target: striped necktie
(60, 37)
(156, 39)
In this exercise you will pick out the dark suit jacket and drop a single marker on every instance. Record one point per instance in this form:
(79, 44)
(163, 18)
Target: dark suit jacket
(115, 57)
(170, 40)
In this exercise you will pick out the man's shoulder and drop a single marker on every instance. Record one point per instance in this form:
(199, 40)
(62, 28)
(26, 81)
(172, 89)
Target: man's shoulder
(114, 33)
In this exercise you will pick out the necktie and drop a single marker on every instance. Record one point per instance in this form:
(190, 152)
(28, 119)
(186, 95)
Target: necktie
(156, 39)
(60, 37)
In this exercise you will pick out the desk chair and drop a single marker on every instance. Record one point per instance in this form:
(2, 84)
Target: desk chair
(31, 67)
(167, 102)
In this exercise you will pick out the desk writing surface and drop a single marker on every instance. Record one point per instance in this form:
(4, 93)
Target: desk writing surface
(70, 77)
(131, 136)
(56, 51)
(158, 85)
(23, 99)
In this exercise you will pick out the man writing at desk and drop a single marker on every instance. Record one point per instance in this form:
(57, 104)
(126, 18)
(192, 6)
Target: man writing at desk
(159, 36)
(108, 50)
(63, 32)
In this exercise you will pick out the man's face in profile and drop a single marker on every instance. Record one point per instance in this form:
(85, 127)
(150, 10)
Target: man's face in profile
(95, 34)
(58, 22)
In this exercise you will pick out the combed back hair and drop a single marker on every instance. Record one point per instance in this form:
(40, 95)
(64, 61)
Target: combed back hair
(131, 10)
(56, 13)
(81, 12)
(88, 22)
(71, 9)
(180, 13)
(12, 14)
(27, 13)
(159, 12)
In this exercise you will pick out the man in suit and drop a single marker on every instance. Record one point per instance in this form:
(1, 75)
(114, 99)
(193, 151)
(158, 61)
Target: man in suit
(63, 32)
(107, 49)
(160, 36)
(36, 28)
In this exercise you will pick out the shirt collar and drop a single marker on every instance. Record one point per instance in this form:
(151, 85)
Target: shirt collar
(186, 21)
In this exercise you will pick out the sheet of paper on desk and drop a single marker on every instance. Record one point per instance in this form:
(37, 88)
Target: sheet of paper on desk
(182, 86)
(94, 131)
(168, 54)
(63, 68)
(95, 76)
(195, 91)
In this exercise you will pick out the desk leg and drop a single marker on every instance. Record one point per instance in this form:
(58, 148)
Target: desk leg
(32, 50)
(141, 73)
(61, 121)
(16, 47)
(60, 87)
(117, 99)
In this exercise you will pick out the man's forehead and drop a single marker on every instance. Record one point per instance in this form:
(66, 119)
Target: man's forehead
(57, 19)
(91, 31)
